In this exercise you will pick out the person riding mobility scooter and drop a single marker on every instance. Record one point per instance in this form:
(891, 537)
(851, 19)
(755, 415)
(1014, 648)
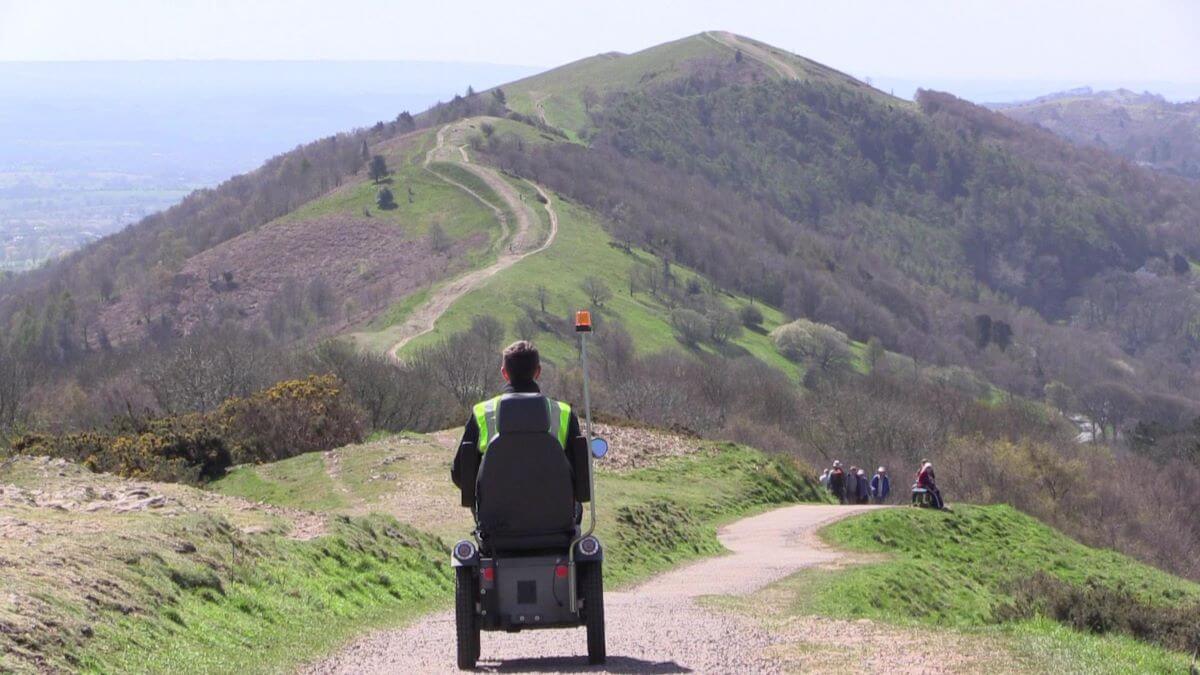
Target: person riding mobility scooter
(529, 564)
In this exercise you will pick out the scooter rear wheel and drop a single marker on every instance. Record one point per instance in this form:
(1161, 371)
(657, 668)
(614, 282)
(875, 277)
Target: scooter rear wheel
(591, 583)
(465, 621)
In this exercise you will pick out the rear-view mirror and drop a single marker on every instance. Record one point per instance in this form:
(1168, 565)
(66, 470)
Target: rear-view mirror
(599, 447)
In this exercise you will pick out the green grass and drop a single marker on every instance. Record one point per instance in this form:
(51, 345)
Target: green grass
(559, 88)
(199, 584)
(954, 570)
(472, 182)
(582, 249)
(649, 519)
(299, 482)
(399, 311)
(433, 200)
(286, 601)
(958, 567)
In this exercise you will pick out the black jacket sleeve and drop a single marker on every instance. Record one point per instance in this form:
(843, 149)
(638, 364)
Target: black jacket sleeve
(469, 443)
(573, 432)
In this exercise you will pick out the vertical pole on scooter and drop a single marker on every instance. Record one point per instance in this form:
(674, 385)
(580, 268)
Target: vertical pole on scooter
(583, 326)
(587, 399)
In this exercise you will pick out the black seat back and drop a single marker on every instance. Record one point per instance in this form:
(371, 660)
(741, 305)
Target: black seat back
(525, 491)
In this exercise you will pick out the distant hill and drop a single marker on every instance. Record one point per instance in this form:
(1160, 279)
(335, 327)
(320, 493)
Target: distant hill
(1145, 127)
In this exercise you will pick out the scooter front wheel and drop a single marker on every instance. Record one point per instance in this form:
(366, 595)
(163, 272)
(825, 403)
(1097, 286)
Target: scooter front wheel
(591, 583)
(466, 623)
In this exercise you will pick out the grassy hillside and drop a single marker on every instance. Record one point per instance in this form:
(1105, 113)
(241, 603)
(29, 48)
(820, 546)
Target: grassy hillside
(281, 562)
(114, 576)
(966, 573)
(661, 497)
(557, 95)
(582, 249)
(363, 255)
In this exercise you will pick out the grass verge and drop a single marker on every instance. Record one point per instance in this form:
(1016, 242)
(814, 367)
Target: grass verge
(108, 575)
(281, 603)
(960, 573)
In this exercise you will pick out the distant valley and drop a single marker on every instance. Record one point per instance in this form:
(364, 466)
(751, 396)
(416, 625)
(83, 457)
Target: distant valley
(88, 148)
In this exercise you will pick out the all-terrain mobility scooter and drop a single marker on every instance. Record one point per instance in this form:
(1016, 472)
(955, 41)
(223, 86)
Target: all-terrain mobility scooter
(530, 564)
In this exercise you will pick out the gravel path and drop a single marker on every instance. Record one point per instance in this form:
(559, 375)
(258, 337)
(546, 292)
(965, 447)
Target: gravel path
(523, 244)
(653, 628)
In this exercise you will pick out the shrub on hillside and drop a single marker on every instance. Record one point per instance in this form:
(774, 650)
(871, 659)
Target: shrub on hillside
(1101, 610)
(824, 350)
(287, 419)
(750, 316)
(291, 418)
(723, 325)
(394, 397)
(691, 328)
(184, 449)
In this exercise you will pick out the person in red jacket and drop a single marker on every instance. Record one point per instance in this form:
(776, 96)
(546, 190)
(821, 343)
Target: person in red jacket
(927, 480)
(837, 482)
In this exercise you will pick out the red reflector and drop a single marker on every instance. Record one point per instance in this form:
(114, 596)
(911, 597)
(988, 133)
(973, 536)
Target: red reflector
(489, 573)
(560, 571)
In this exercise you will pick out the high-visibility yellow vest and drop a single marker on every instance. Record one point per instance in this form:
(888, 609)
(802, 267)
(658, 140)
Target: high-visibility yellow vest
(487, 416)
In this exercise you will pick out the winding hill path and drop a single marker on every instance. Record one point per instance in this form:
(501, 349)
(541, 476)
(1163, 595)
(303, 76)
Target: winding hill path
(656, 627)
(521, 244)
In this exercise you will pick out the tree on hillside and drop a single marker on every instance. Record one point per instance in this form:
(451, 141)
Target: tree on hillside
(597, 291)
(498, 94)
(751, 316)
(875, 353)
(690, 326)
(1108, 404)
(1002, 334)
(405, 122)
(385, 199)
(1180, 264)
(818, 346)
(643, 276)
(723, 325)
(364, 152)
(589, 97)
(379, 169)
(983, 331)
(1060, 396)
(437, 238)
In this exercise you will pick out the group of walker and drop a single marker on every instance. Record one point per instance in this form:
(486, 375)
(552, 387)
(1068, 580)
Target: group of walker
(853, 486)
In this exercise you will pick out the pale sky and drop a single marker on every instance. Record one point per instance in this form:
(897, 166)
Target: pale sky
(1105, 40)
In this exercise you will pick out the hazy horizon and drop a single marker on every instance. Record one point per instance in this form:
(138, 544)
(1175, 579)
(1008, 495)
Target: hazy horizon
(922, 39)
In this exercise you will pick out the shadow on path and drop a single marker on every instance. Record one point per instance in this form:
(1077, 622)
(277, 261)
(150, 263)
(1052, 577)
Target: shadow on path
(579, 664)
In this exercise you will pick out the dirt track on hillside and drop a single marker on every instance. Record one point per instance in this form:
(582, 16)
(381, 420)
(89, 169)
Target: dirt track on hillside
(781, 67)
(521, 243)
(656, 627)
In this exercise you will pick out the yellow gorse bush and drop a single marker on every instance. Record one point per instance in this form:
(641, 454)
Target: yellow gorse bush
(289, 418)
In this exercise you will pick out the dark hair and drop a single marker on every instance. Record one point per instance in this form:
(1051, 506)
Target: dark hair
(521, 361)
